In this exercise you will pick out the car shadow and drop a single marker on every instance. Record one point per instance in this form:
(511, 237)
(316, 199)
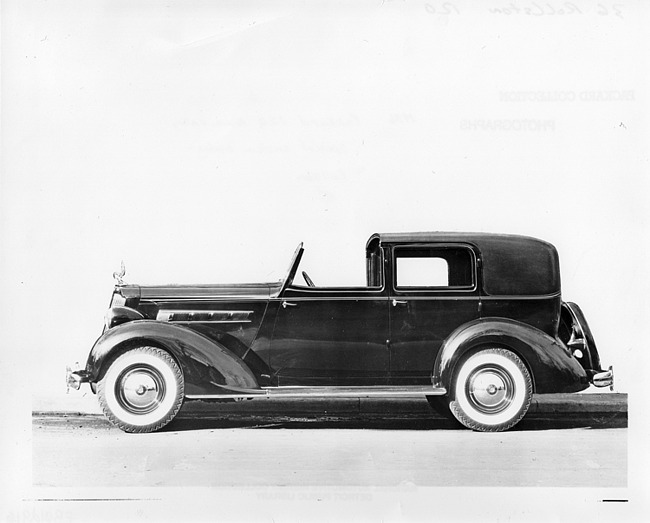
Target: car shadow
(189, 423)
(571, 421)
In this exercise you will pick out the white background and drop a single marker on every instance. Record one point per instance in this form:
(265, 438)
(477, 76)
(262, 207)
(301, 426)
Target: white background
(201, 141)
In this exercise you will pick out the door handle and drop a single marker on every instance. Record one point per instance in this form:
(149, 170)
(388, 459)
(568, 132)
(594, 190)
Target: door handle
(399, 302)
(286, 304)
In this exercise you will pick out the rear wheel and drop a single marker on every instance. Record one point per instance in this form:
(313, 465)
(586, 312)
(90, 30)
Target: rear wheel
(492, 391)
(142, 390)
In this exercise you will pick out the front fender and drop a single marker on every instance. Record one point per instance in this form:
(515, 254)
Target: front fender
(552, 367)
(208, 367)
(117, 315)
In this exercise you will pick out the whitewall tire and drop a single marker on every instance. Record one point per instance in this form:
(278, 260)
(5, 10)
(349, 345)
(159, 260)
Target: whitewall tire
(142, 390)
(492, 391)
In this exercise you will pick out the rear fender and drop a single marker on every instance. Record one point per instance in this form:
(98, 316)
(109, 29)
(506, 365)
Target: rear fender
(552, 367)
(208, 367)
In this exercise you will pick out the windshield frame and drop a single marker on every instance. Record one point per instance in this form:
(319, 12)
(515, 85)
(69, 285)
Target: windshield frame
(293, 268)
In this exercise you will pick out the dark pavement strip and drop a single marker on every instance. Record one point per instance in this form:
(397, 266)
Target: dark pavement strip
(542, 406)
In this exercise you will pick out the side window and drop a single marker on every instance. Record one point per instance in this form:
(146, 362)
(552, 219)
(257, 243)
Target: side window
(422, 272)
(434, 267)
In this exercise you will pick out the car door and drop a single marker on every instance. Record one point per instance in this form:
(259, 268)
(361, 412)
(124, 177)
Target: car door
(433, 291)
(330, 337)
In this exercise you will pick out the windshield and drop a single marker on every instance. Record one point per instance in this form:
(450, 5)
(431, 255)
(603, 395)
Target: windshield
(293, 267)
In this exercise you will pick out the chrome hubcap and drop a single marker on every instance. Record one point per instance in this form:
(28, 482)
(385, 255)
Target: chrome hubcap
(490, 389)
(140, 389)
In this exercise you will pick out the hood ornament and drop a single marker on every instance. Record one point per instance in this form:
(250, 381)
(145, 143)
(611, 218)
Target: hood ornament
(119, 275)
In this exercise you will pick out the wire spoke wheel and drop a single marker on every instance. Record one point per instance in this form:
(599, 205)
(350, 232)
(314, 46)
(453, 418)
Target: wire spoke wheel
(492, 391)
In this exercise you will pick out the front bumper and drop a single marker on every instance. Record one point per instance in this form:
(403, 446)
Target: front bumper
(74, 378)
(604, 378)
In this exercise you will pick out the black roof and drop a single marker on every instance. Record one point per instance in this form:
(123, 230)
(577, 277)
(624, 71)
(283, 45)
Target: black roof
(512, 264)
(476, 238)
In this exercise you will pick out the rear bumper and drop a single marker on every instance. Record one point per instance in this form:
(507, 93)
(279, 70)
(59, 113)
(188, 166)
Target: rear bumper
(603, 378)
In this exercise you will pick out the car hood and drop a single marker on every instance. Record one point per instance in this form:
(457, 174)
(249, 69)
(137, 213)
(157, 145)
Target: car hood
(201, 292)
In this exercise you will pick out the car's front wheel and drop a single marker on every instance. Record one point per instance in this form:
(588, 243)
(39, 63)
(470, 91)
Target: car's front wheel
(492, 391)
(142, 390)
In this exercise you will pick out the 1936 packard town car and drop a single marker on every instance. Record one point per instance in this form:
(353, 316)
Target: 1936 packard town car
(473, 322)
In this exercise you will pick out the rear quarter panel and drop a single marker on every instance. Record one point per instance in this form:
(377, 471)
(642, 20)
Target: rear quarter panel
(553, 369)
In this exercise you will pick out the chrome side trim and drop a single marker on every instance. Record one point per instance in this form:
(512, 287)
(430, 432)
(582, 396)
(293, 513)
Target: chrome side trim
(520, 296)
(329, 392)
(330, 298)
(359, 289)
(216, 297)
(354, 392)
(435, 298)
(203, 316)
(223, 396)
(373, 298)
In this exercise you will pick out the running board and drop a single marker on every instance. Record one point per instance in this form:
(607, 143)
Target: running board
(328, 392)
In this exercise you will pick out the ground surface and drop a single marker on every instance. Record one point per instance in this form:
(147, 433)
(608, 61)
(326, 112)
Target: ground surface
(216, 448)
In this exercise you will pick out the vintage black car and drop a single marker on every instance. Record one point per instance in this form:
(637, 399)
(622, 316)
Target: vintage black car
(473, 322)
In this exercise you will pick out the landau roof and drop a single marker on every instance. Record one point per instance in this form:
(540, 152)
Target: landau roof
(512, 264)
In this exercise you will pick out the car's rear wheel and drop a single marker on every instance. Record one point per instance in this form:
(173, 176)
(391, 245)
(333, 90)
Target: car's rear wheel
(492, 391)
(142, 390)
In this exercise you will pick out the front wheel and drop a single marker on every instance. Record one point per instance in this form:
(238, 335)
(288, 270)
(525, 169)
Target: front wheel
(492, 391)
(142, 390)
